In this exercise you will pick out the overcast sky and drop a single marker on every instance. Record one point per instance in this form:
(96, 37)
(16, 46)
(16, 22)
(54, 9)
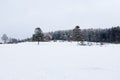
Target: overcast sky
(18, 18)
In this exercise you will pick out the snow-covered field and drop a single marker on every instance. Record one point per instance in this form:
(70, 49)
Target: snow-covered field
(59, 61)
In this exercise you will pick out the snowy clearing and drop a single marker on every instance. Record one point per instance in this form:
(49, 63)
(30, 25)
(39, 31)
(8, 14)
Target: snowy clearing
(59, 61)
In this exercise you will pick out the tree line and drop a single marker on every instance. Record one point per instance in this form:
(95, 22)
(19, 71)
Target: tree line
(111, 35)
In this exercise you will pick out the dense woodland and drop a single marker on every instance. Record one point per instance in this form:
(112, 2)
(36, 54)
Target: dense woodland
(111, 35)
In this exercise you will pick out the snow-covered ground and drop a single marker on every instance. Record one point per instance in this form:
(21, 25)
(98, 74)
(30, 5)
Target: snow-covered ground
(59, 61)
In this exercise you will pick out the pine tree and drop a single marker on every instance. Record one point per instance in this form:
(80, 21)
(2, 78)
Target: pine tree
(77, 35)
(38, 36)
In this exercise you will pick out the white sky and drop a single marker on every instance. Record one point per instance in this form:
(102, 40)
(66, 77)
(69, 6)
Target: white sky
(18, 18)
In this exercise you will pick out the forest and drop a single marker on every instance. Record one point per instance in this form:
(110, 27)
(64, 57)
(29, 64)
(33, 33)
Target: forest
(110, 35)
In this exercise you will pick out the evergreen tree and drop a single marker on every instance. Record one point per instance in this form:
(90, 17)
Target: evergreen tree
(38, 36)
(77, 35)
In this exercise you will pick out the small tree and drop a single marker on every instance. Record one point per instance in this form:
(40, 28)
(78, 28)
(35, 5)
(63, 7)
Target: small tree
(4, 38)
(38, 36)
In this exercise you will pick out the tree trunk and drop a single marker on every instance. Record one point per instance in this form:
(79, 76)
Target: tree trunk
(38, 42)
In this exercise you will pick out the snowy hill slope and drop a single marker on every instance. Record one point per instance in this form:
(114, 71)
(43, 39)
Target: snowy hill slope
(59, 61)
